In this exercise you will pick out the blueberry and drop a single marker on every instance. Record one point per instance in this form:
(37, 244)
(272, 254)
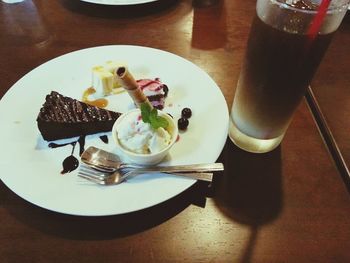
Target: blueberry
(182, 123)
(186, 113)
(166, 90)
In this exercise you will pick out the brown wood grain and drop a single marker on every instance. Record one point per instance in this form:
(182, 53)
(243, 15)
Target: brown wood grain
(290, 205)
(331, 91)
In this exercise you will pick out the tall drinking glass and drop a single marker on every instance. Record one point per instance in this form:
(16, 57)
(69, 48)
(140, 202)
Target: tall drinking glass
(286, 44)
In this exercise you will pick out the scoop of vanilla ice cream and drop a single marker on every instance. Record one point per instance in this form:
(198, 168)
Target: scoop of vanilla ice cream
(139, 137)
(160, 139)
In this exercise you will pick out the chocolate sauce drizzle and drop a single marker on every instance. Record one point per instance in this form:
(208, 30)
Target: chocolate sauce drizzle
(104, 138)
(81, 142)
(71, 163)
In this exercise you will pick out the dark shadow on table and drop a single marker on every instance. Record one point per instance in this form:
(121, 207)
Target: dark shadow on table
(100, 227)
(346, 21)
(118, 11)
(250, 190)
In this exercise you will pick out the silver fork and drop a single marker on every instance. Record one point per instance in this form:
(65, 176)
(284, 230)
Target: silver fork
(119, 176)
(109, 162)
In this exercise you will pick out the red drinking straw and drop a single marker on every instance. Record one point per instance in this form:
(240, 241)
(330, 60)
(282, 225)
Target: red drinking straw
(317, 21)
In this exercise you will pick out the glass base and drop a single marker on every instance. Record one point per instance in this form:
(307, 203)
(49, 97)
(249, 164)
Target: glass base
(251, 144)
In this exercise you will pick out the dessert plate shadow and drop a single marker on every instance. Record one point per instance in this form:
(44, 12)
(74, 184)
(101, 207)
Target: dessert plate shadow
(119, 2)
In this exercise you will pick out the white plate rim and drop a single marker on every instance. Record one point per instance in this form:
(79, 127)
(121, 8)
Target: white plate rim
(187, 184)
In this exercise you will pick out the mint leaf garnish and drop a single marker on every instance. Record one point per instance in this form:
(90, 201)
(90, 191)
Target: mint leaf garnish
(145, 112)
(153, 119)
(162, 122)
(150, 116)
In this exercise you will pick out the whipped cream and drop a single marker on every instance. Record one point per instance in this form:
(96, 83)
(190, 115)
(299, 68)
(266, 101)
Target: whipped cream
(139, 137)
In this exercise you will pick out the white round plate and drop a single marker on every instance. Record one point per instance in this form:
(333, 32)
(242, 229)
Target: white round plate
(32, 170)
(119, 2)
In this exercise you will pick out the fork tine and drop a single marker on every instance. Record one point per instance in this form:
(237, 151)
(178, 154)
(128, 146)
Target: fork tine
(99, 168)
(102, 180)
(89, 170)
(92, 179)
(95, 176)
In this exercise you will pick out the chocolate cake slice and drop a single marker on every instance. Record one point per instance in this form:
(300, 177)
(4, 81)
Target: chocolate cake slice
(62, 117)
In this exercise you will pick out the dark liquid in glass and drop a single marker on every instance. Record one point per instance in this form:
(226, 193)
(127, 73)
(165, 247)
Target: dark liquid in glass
(277, 69)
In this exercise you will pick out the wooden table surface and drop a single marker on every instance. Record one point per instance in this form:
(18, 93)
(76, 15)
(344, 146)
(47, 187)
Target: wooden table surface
(290, 205)
(331, 92)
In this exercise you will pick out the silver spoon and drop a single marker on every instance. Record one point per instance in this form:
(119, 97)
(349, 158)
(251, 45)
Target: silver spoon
(109, 162)
(118, 177)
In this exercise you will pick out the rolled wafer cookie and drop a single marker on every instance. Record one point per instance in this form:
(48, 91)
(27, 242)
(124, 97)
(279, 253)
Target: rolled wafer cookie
(131, 86)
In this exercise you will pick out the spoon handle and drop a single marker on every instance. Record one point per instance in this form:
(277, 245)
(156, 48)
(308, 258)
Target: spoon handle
(211, 167)
(207, 177)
